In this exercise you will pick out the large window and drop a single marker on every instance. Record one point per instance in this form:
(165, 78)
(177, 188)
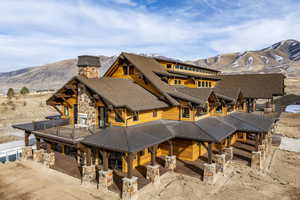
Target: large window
(185, 112)
(66, 111)
(118, 115)
(135, 116)
(131, 70)
(125, 70)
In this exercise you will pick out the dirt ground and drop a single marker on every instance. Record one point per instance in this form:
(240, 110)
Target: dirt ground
(289, 125)
(23, 109)
(9, 138)
(282, 182)
(32, 181)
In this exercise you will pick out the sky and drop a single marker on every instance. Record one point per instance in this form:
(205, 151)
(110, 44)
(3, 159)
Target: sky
(37, 32)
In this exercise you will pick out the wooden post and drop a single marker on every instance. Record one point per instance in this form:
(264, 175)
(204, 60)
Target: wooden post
(96, 157)
(27, 134)
(256, 141)
(153, 155)
(171, 148)
(130, 166)
(88, 156)
(209, 153)
(38, 143)
(63, 149)
(49, 147)
(220, 148)
(105, 160)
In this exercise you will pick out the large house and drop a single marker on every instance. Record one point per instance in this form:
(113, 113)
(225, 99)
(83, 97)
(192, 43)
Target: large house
(144, 109)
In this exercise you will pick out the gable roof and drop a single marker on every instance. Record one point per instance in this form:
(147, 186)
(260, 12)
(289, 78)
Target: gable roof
(231, 94)
(122, 93)
(200, 93)
(149, 67)
(254, 85)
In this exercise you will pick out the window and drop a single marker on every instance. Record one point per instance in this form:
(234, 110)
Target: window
(66, 111)
(118, 116)
(135, 116)
(175, 82)
(185, 68)
(154, 114)
(206, 84)
(179, 82)
(177, 66)
(199, 83)
(142, 153)
(125, 70)
(203, 84)
(181, 67)
(219, 109)
(201, 111)
(209, 84)
(131, 70)
(186, 112)
(169, 66)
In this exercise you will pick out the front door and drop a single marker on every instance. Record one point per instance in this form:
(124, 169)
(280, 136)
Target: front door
(102, 117)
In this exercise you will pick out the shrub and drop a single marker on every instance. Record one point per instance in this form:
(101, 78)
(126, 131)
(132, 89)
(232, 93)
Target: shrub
(10, 93)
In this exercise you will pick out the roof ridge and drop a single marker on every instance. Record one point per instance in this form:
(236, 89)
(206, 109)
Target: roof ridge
(210, 136)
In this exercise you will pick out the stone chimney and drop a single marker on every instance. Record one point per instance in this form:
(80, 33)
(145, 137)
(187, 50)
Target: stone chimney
(89, 66)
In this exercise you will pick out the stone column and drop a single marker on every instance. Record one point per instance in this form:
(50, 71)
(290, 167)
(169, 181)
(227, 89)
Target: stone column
(269, 141)
(256, 160)
(26, 152)
(153, 174)
(49, 159)
(38, 155)
(170, 162)
(209, 175)
(88, 174)
(105, 179)
(262, 150)
(130, 188)
(228, 151)
(220, 162)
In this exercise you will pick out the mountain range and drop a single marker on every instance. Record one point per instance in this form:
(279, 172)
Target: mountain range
(283, 57)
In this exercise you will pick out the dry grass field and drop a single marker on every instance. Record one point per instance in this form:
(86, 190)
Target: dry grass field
(22, 109)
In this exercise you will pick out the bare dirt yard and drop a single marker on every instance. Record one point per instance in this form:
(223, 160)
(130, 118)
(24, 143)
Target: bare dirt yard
(289, 125)
(32, 181)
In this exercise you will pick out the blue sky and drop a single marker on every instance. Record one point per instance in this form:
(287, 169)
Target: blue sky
(35, 32)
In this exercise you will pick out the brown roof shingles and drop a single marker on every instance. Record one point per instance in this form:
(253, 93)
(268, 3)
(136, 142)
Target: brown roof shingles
(262, 86)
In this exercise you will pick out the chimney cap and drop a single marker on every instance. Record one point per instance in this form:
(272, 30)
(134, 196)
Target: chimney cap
(86, 60)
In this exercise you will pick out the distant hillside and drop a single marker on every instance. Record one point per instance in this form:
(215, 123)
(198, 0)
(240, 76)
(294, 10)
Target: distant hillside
(282, 57)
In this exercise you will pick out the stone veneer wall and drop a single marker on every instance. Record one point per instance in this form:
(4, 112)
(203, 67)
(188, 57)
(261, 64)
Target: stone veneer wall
(89, 72)
(86, 106)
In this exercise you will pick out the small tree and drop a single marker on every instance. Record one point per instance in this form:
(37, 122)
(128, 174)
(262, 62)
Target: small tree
(24, 91)
(10, 93)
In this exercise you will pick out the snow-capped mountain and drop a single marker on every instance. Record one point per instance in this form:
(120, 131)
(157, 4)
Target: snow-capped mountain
(282, 57)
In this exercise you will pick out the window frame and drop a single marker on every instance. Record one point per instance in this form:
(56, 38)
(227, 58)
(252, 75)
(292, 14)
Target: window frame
(184, 114)
(135, 116)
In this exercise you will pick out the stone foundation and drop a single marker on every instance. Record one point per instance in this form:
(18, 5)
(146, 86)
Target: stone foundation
(105, 179)
(49, 159)
(38, 155)
(262, 149)
(256, 160)
(170, 162)
(26, 152)
(130, 188)
(228, 151)
(88, 174)
(153, 174)
(220, 162)
(209, 175)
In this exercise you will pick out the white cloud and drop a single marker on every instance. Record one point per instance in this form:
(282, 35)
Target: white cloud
(36, 33)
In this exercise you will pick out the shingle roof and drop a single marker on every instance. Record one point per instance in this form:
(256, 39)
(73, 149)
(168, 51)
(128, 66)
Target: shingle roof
(123, 93)
(149, 67)
(227, 93)
(200, 93)
(254, 85)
